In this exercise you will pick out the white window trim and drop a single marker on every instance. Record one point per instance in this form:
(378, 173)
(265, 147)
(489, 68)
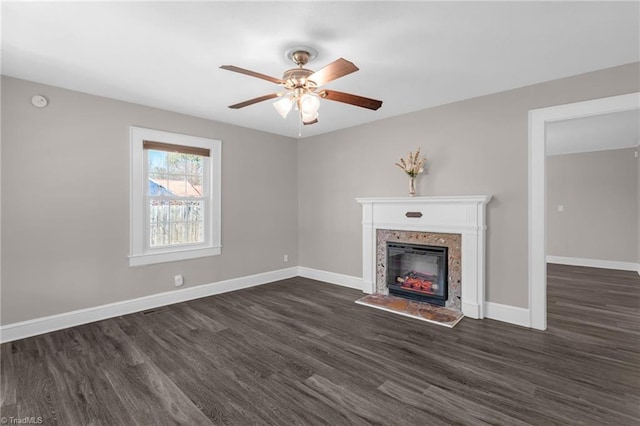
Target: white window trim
(139, 253)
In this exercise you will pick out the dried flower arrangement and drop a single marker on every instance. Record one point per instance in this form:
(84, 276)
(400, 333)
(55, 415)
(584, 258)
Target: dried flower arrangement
(414, 165)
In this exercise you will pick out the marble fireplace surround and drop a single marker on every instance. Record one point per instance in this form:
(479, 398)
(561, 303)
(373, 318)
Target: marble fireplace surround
(464, 215)
(451, 241)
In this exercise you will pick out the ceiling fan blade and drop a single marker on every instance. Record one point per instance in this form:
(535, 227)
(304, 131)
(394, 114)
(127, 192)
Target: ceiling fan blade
(252, 73)
(254, 101)
(336, 69)
(348, 98)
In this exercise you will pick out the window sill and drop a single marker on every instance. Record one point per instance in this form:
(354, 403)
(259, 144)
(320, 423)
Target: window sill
(173, 256)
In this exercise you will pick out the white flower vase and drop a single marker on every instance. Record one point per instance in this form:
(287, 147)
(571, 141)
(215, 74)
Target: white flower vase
(412, 186)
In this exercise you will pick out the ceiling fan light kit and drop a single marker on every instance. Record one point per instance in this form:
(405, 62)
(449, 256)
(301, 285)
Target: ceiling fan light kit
(283, 105)
(302, 86)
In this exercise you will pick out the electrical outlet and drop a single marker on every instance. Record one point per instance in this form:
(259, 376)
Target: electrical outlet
(560, 208)
(286, 257)
(178, 280)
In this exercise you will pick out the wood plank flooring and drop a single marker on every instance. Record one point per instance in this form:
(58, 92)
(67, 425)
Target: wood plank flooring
(300, 352)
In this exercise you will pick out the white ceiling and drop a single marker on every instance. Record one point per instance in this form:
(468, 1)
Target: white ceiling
(596, 133)
(411, 55)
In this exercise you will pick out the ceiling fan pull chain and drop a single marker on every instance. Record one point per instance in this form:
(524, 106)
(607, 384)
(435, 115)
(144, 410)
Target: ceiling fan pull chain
(299, 125)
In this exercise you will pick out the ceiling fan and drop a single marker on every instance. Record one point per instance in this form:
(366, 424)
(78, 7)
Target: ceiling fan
(303, 86)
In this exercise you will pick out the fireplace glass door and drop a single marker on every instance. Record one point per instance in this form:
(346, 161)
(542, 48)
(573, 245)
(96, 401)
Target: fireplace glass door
(417, 272)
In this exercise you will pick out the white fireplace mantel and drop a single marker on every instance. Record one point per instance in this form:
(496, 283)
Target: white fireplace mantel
(464, 215)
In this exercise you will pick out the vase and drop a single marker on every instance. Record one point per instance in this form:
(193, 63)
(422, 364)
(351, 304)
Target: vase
(412, 187)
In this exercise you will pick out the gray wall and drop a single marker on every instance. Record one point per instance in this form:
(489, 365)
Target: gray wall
(476, 146)
(599, 192)
(65, 202)
(65, 190)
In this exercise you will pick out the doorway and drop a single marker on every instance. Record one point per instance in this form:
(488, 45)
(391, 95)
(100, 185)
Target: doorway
(538, 120)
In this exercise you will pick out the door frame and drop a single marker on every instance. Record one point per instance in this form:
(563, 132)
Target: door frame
(538, 119)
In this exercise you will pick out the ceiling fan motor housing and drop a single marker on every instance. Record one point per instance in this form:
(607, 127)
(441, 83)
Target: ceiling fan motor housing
(298, 77)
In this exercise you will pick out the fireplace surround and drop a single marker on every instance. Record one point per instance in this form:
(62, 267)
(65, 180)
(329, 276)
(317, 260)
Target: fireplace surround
(436, 218)
(452, 242)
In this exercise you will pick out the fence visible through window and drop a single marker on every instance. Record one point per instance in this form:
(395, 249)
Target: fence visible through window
(177, 197)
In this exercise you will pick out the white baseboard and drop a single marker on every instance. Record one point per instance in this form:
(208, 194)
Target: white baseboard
(331, 277)
(594, 263)
(21, 330)
(471, 310)
(496, 311)
(47, 324)
(507, 313)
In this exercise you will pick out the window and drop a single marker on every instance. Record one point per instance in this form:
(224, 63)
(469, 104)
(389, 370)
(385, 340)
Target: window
(175, 197)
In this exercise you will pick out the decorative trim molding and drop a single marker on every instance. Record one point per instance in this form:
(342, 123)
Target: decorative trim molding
(20, 330)
(331, 277)
(538, 119)
(452, 199)
(594, 263)
(507, 313)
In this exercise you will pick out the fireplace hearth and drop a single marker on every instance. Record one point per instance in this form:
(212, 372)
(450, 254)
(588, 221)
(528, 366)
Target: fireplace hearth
(418, 272)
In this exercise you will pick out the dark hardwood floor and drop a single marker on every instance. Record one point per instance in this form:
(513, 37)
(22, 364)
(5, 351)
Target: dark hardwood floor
(301, 352)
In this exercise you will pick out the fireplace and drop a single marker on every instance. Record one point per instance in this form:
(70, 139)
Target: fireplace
(457, 222)
(418, 272)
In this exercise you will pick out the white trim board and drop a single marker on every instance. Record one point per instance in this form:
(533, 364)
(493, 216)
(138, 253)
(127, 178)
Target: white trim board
(33, 327)
(496, 311)
(507, 313)
(21, 330)
(594, 263)
(538, 119)
(331, 277)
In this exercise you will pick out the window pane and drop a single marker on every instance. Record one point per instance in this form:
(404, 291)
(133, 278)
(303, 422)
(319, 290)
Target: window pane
(193, 165)
(159, 185)
(158, 211)
(175, 222)
(176, 185)
(156, 161)
(176, 163)
(187, 232)
(159, 235)
(195, 211)
(175, 174)
(194, 183)
(186, 211)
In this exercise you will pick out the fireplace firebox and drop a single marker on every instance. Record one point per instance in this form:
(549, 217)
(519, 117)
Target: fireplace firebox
(417, 272)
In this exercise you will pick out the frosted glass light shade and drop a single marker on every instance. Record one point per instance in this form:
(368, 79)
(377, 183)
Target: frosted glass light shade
(309, 104)
(283, 106)
(308, 118)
